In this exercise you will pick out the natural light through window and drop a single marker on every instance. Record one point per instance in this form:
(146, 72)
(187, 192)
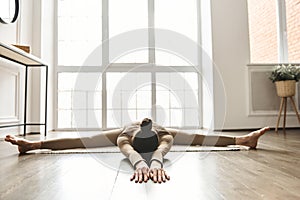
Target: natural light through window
(79, 105)
(179, 16)
(164, 58)
(136, 56)
(133, 79)
(293, 30)
(127, 16)
(274, 28)
(79, 30)
(263, 31)
(177, 99)
(128, 97)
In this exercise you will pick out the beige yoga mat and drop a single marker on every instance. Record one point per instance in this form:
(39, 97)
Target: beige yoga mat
(175, 148)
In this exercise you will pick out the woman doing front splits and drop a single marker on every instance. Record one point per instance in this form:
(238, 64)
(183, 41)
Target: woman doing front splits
(143, 143)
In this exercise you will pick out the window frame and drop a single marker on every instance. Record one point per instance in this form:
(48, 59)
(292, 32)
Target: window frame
(282, 36)
(282, 32)
(150, 67)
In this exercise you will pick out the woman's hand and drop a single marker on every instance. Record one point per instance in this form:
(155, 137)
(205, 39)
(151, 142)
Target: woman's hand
(141, 173)
(157, 173)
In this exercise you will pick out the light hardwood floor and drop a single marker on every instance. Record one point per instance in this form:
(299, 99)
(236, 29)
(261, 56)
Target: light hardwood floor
(270, 172)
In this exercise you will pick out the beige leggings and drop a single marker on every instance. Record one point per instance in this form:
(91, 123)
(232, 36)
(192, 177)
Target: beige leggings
(109, 138)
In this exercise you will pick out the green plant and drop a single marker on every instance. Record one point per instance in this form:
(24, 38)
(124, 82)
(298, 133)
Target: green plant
(284, 73)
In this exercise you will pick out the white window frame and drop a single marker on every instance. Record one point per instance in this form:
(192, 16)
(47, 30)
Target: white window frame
(282, 35)
(125, 67)
(282, 32)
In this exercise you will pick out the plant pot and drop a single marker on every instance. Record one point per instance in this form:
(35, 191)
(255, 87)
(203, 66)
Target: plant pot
(286, 88)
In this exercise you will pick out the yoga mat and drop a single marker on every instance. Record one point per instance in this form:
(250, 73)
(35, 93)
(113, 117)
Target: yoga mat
(175, 148)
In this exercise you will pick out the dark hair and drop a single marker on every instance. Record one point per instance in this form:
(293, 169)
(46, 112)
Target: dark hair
(146, 124)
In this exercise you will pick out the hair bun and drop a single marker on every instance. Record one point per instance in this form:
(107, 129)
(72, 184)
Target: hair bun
(146, 123)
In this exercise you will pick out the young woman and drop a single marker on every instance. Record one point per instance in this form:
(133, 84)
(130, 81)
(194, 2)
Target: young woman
(143, 143)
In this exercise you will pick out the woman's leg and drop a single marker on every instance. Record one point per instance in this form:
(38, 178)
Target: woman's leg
(106, 138)
(184, 138)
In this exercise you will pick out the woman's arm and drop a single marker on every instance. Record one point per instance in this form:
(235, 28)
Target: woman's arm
(157, 172)
(141, 168)
(166, 142)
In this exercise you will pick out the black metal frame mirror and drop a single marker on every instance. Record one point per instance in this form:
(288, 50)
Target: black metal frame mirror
(10, 18)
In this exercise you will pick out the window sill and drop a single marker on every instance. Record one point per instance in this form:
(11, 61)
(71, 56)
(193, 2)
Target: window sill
(270, 64)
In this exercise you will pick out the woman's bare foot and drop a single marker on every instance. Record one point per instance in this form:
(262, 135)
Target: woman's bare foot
(23, 145)
(251, 139)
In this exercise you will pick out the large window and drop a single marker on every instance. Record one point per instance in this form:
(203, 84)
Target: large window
(147, 81)
(274, 27)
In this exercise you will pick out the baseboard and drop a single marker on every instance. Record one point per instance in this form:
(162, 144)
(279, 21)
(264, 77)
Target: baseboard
(253, 129)
(33, 133)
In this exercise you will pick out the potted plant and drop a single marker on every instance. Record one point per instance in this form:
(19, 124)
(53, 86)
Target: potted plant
(285, 78)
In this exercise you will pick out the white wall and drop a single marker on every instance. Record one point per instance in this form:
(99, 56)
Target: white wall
(47, 55)
(35, 29)
(35, 74)
(8, 33)
(207, 65)
(231, 54)
(21, 31)
(10, 79)
(16, 33)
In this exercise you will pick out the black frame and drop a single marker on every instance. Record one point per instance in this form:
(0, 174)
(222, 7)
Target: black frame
(17, 8)
(27, 66)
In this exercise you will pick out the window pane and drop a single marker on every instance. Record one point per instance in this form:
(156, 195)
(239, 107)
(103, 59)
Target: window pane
(179, 16)
(191, 117)
(114, 91)
(94, 118)
(177, 99)
(66, 81)
(79, 100)
(94, 99)
(162, 115)
(293, 29)
(143, 98)
(114, 118)
(169, 59)
(163, 97)
(128, 97)
(64, 118)
(138, 56)
(126, 16)
(79, 30)
(263, 31)
(176, 116)
(143, 113)
(64, 100)
(79, 118)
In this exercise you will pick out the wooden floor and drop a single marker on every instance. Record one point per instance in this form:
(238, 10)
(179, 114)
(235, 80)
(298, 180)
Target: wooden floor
(270, 172)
